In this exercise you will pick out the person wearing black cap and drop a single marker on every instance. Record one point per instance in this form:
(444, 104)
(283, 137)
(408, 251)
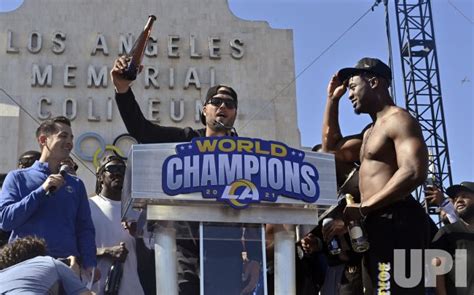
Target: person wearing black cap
(28, 158)
(218, 113)
(435, 196)
(458, 235)
(393, 158)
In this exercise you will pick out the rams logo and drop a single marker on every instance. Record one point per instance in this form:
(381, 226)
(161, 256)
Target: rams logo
(69, 189)
(240, 194)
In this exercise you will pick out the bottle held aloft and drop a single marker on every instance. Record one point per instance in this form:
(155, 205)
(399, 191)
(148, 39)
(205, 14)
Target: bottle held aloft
(138, 50)
(359, 240)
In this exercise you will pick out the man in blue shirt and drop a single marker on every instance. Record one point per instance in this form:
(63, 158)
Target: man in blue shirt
(39, 201)
(24, 269)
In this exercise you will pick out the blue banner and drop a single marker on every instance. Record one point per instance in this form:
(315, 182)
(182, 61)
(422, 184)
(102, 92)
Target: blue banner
(240, 171)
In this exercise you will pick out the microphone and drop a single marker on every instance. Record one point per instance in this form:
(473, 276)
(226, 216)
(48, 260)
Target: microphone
(221, 125)
(63, 171)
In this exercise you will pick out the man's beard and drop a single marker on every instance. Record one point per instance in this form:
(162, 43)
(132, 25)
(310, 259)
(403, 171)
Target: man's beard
(357, 110)
(116, 185)
(467, 213)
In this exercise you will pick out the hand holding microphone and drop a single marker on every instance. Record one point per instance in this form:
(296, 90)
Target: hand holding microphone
(55, 181)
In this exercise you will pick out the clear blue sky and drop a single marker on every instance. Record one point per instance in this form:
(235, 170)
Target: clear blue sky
(318, 23)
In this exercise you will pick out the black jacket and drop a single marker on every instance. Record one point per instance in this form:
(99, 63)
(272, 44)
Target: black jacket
(146, 132)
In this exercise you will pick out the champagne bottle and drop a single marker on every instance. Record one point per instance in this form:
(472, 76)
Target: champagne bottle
(334, 246)
(138, 50)
(359, 240)
(114, 277)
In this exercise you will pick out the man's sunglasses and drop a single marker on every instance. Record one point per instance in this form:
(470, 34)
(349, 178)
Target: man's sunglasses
(217, 102)
(115, 169)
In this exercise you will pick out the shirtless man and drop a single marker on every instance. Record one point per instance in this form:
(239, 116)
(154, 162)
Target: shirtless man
(393, 159)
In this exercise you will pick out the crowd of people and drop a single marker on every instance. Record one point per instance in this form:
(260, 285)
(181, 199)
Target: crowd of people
(59, 240)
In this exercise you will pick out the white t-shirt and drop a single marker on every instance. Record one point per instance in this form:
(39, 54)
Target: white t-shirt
(106, 215)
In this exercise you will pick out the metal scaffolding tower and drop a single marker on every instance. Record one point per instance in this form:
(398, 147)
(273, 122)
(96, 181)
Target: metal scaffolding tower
(422, 84)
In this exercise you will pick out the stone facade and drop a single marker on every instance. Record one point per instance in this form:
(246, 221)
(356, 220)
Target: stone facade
(56, 56)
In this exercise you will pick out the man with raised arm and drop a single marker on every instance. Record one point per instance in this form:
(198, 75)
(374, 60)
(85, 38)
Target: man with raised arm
(218, 115)
(393, 159)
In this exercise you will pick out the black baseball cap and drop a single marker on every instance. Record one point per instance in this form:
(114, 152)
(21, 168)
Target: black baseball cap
(463, 186)
(369, 65)
(214, 90)
(28, 158)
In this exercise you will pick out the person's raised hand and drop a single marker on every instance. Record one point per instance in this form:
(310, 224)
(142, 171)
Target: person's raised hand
(120, 65)
(336, 88)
